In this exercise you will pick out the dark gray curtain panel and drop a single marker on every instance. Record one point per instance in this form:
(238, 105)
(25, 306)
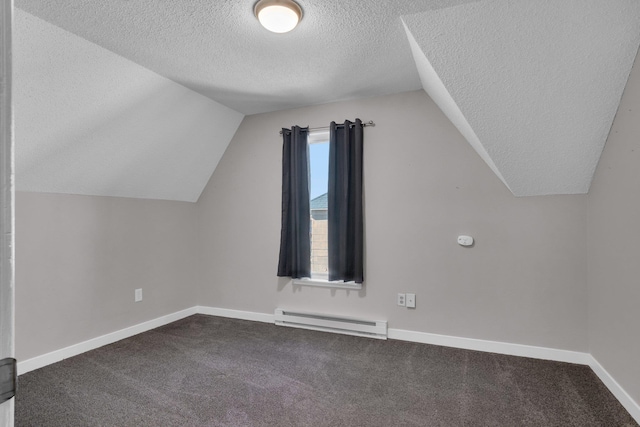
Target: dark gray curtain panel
(345, 210)
(295, 246)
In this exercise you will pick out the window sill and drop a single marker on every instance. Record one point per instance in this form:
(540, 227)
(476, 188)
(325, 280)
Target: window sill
(327, 284)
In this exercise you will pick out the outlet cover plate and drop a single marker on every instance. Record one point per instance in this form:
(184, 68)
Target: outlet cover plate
(411, 300)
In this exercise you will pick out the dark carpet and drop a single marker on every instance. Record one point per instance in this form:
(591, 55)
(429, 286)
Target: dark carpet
(212, 371)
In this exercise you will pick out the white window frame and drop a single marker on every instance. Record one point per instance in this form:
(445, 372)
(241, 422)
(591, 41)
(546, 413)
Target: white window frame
(326, 283)
(322, 280)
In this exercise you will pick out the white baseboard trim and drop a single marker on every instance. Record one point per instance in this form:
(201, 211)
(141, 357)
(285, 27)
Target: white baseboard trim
(492, 346)
(75, 349)
(623, 397)
(236, 314)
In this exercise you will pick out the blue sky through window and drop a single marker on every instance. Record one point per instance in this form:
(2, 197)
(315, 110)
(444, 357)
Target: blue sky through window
(319, 169)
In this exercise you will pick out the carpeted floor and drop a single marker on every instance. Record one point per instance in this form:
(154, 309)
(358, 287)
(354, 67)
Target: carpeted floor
(211, 371)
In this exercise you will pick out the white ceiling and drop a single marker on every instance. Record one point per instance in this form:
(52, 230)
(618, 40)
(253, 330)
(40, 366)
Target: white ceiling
(533, 85)
(537, 83)
(88, 121)
(342, 50)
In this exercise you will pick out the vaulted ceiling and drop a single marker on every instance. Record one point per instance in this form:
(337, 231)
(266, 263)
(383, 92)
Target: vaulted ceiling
(140, 98)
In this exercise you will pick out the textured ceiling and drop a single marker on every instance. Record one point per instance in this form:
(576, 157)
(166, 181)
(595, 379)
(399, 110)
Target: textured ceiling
(533, 85)
(342, 49)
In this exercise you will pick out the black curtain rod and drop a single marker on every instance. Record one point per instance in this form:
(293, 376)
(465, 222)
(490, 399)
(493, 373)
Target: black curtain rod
(364, 124)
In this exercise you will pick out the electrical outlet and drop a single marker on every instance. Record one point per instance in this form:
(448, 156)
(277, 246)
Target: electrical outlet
(411, 300)
(138, 295)
(401, 300)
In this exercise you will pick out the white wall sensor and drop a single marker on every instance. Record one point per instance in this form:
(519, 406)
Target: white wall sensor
(465, 240)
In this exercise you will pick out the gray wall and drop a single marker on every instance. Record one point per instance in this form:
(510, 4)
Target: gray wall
(614, 246)
(523, 282)
(79, 259)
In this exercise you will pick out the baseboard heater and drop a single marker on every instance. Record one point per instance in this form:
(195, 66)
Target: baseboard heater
(327, 323)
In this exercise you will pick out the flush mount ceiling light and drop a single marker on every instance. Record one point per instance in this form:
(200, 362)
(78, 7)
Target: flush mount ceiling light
(278, 16)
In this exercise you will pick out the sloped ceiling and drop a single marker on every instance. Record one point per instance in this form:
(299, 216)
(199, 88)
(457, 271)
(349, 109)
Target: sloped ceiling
(88, 121)
(532, 85)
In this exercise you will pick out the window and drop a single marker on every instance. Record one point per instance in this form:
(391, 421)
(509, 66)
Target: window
(322, 206)
(318, 187)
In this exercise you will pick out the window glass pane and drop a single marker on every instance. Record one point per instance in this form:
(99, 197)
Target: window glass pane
(319, 172)
(319, 165)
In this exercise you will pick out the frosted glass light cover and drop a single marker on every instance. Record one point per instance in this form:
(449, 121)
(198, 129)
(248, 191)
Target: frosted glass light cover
(278, 19)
